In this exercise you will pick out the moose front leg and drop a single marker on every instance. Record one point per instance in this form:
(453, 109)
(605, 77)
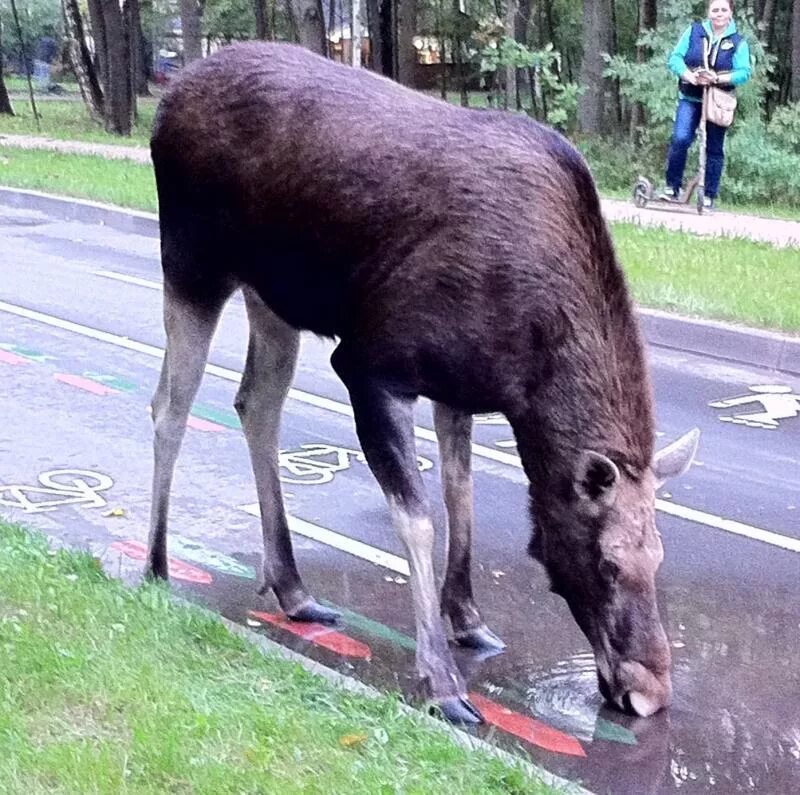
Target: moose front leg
(385, 426)
(271, 358)
(454, 433)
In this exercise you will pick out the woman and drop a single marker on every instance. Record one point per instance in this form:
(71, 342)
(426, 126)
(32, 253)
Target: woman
(728, 67)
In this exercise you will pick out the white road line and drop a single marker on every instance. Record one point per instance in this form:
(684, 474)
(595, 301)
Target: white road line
(124, 277)
(690, 514)
(344, 543)
(730, 525)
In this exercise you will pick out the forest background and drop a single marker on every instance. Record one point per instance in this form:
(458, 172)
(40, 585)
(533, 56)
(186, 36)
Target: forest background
(596, 69)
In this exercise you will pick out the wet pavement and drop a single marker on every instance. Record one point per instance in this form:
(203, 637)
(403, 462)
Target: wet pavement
(80, 339)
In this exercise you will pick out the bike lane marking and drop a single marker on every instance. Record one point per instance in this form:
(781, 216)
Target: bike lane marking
(178, 569)
(6, 357)
(530, 729)
(319, 634)
(86, 384)
(690, 514)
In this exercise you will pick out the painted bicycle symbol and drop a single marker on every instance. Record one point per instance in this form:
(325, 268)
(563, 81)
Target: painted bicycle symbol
(315, 464)
(772, 403)
(56, 488)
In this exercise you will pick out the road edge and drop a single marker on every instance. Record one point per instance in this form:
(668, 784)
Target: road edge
(740, 344)
(267, 646)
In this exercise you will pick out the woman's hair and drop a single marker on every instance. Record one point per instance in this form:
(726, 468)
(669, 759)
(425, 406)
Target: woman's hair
(729, 2)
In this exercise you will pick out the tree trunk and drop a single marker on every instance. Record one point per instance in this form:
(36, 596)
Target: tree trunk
(376, 43)
(308, 24)
(5, 101)
(509, 29)
(405, 30)
(768, 21)
(355, 33)
(81, 60)
(597, 39)
(262, 25)
(521, 24)
(98, 30)
(648, 13)
(192, 34)
(119, 104)
(26, 63)
(794, 91)
(139, 70)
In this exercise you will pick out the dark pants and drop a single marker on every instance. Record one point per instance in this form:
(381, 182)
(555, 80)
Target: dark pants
(687, 119)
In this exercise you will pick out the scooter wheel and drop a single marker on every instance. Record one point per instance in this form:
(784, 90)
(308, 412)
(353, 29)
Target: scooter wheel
(701, 195)
(642, 192)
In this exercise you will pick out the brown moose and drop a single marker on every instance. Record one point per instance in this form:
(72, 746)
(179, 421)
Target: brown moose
(456, 254)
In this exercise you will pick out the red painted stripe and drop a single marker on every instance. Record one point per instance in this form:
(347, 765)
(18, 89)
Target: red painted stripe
(177, 568)
(528, 729)
(11, 358)
(318, 634)
(203, 425)
(85, 384)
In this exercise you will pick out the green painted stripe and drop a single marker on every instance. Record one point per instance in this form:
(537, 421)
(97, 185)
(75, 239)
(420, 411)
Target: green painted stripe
(212, 558)
(112, 381)
(27, 353)
(613, 732)
(222, 417)
(374, 628)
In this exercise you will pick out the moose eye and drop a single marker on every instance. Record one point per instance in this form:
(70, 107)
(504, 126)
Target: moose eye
(609, 570)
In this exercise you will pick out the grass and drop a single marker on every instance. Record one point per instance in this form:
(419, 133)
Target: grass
(105, 689)
(125, 183)
(69, 120)
(729, 279)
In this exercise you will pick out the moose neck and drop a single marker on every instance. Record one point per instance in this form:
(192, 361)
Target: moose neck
(597, 397)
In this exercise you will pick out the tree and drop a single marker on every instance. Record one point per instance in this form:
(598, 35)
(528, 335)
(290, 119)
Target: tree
(308, 24)
(191, 30)
(795, 55)
(118, 94)
(5, 101)
(598, 39)
(405, 29)
(81, 61)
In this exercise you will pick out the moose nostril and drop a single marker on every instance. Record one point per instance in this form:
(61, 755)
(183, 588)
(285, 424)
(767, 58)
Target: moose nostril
(635, 703)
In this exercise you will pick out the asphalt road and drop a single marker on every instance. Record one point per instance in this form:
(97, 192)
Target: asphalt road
(80, 340)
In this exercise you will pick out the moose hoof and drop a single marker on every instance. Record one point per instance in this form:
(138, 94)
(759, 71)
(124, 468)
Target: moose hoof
(311, 610)
(459, 709)
(481, 638)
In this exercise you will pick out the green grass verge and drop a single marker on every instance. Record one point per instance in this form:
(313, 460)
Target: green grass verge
(105, 689)
(69, 120)
(727, 279)
(121, 182)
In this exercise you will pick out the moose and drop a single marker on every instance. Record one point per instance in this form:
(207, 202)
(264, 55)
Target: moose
(455, 254)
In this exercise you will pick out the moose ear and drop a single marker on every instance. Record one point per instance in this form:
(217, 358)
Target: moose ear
(675, 458)
(596, 479)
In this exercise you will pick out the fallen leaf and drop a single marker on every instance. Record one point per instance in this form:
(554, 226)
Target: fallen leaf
(498, 573)
(115, 512)
(352, 740)
(400, 580)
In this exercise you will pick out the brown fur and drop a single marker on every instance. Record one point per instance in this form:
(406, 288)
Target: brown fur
(456, 254)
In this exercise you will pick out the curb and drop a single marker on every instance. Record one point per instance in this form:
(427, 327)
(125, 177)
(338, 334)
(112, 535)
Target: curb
(343, 682)
(719, 340)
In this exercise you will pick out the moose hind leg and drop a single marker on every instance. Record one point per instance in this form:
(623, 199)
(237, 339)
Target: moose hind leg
(271, 358)
(385, 426)
(189, 328)
(454, 433)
